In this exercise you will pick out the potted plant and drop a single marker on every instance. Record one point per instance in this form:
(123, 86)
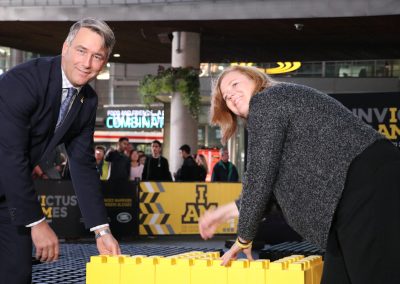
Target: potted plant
(171, 80)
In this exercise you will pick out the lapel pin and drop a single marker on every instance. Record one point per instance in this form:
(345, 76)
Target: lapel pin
(82, 99)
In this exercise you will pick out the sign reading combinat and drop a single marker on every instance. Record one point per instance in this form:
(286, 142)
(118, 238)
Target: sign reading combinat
(175, 208)
(134, 119)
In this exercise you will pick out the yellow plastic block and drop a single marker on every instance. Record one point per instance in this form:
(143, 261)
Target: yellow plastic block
(257, 271)
(299, 273)
(316, 266)
(219, 273)
(94, 268)
(104, 270)
(202, 271)
(296, 270)
(166, 271)
(129, 270)
(278, 270)
(237, 273)
(183, 269)
(213, 254)
(139, 269)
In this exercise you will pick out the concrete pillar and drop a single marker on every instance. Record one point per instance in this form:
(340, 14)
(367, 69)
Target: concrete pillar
(185, 53)
(111, 84)
(16, 57)
(167, 130)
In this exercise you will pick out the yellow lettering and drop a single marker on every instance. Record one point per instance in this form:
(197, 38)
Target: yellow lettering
(395, 130)
(48, 212)
(393, 112)
(43, 200)
(390, 134)
(191, 215)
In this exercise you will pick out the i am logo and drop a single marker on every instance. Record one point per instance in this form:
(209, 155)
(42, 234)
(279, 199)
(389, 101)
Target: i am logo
(195, 210)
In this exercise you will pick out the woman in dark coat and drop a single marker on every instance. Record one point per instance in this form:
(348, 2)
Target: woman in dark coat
(334, 177)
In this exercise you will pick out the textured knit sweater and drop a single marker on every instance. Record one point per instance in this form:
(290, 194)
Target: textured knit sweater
(301, 144)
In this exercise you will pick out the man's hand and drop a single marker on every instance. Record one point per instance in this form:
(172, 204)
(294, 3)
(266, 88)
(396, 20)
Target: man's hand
(107, 244)
(45, 241)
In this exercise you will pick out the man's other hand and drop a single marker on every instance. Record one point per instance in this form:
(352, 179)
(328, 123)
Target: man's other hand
(45, 241)
(108, 245)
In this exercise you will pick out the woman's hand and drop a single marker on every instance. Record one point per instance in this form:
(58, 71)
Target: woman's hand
(233, 252)
(209, 222)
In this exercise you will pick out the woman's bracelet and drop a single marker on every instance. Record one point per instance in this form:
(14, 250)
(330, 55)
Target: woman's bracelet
(243, 245)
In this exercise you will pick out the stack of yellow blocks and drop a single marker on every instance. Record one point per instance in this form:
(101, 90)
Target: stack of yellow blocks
(202, 267)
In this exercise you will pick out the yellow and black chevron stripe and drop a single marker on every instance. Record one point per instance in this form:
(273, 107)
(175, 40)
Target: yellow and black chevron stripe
(152, 217)
(156, 230)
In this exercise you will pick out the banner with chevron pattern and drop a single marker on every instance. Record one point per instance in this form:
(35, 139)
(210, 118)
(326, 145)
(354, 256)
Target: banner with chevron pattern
(169, 208)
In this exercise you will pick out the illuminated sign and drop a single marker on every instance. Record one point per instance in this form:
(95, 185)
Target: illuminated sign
(283, 67)
(134, 119)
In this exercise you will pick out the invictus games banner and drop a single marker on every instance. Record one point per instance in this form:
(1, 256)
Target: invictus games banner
(60, 207)
(380, 110)
(169, 208)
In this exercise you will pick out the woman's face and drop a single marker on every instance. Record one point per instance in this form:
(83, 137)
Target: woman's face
(237, 90)
(134, 156)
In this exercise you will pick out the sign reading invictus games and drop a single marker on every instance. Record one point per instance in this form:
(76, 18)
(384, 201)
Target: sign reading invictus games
(134, 119)
(60, 207)
(380, 110)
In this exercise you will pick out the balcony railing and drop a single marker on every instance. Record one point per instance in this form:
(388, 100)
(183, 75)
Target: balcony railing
(30, 3)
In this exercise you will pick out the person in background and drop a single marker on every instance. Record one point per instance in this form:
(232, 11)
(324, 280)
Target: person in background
(202, 167)
(136, 167)
(189, 169)
(142, 159)
(128, 149)
(43, 103)
(334, 177)
(120, 163)
(156, 167)
(103, 167)
(224, 170)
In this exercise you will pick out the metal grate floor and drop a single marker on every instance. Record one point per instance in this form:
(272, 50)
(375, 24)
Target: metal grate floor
(71, 265)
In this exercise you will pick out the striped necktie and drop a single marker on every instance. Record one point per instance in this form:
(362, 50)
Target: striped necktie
(65, 106)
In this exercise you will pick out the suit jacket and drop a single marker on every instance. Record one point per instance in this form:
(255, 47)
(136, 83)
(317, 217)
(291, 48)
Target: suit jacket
(30, 98)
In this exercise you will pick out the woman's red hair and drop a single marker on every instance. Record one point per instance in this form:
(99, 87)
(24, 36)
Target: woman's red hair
(220, 114)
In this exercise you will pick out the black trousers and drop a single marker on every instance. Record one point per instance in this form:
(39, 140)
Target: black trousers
(15, 251)
(364, 240)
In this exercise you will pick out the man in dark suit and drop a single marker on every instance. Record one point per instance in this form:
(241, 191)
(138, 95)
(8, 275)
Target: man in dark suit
(43, 103)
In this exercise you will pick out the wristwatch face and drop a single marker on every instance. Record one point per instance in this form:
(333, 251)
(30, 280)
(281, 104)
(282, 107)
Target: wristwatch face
(102, 233)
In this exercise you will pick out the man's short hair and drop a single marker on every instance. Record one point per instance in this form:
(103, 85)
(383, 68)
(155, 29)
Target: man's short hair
(100, 147)
(222, 150)
(185, 148)
(156, 142)
(123, 139)
(98, 26)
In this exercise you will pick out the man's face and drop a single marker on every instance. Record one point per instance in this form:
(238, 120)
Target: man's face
(225, 156)
(99, 154)
(155, 149)
(83, 60)
(182, 154)
(123, 145)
